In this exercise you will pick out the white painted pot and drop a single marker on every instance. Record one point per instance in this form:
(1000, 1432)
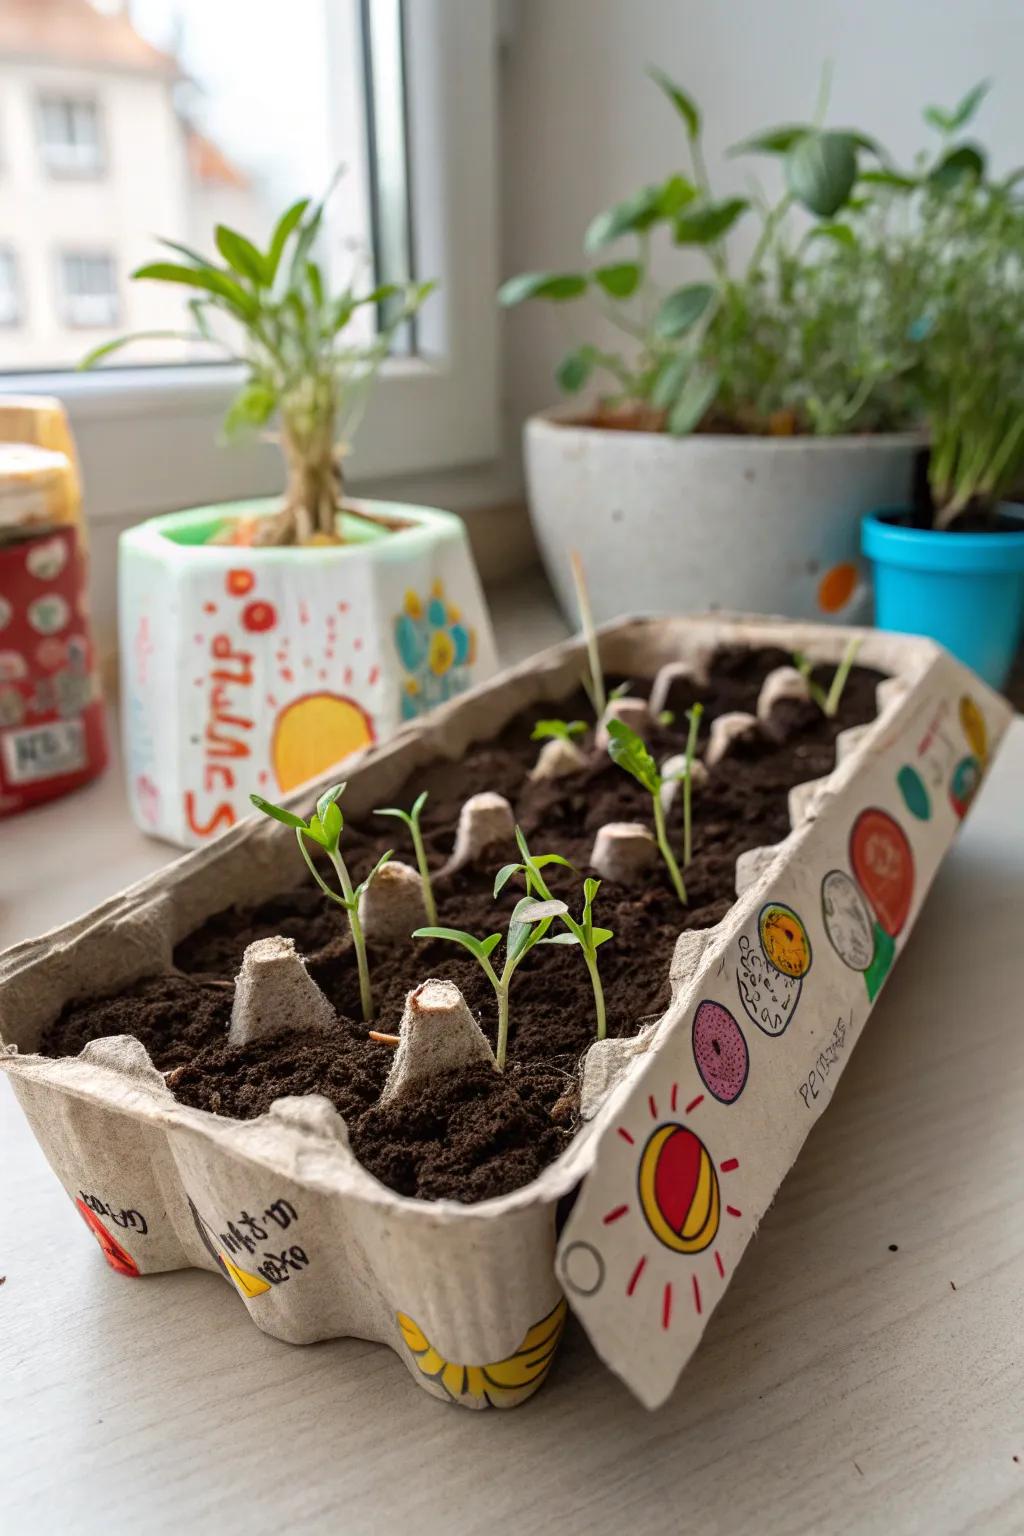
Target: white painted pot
(677, 525)
(254, 669)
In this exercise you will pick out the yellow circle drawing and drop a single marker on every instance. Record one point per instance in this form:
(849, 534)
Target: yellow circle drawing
(442, 652)
(972, 722)
(784, 940)
(315, 732)
(413, 606)
(679, 1189)
(502, 1384)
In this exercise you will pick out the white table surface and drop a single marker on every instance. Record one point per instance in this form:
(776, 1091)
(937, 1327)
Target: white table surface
(841, 1386)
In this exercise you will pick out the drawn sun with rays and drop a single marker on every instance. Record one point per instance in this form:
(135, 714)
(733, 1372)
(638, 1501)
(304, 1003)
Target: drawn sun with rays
(679, 1195)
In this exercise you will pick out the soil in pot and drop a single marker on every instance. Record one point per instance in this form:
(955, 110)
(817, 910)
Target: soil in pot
(476, 1133)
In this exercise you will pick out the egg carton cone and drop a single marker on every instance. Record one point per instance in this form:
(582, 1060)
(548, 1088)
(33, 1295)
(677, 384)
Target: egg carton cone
(687, 1130)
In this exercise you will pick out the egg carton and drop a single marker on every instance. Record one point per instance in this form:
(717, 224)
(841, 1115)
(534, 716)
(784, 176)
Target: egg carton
(687, 1129)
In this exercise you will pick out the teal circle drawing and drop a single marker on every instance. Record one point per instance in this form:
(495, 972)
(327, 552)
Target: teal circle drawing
(915, 795)
(964, 783)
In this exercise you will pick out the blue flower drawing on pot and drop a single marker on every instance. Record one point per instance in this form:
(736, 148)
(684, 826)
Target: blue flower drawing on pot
(435, 648)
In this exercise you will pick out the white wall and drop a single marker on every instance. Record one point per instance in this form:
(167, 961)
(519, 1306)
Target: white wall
(582, 126)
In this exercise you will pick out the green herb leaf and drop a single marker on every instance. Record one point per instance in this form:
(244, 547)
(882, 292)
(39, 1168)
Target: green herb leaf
(316, 832)
(241, 255)
(212, 281)
(574, 370)
(561, 730)
(838, 234)
(278, 812)
(694, 399)
(682, 309)
(619, 280)
(961, 163)
(702, 225)
(894, 180)
(560, 938)
(481, 948)
(504, 875)
(821, 169)
(252, 407)
(556, 286)
(282, 230)
(331, 822)
(633, 215)
(774, 141)
(629, 751)
(670, 380)
(683, 104)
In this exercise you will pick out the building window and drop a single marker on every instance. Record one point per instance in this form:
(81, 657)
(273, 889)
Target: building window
(88, 289)
(10, 296)
(69, 130)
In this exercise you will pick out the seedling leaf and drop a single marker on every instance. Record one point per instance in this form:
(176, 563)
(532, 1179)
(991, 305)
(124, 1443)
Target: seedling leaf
(278, 812)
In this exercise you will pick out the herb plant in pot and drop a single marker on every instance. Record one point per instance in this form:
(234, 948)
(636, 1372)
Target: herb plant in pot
(952, 567)
(753, 416)
(262, 642)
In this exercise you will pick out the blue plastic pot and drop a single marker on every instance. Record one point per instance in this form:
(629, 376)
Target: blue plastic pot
(965, 590)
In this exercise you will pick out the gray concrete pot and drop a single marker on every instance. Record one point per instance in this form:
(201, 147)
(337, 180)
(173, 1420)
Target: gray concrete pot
(675, 525)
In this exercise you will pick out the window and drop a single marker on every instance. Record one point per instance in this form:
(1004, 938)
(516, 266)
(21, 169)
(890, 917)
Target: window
(69, 131)
(88, 289)
(204, 114)
(10, 298)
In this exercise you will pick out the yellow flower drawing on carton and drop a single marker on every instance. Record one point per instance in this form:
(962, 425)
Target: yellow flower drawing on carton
(503, 1383)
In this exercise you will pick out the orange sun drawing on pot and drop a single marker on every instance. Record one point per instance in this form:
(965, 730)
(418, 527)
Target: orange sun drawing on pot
(314, 732)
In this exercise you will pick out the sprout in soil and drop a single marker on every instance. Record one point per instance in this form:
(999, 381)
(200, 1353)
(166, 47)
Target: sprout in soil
(324, 828)
(828, 702)
(528, 924)
(274, 312)
(412, 821)
(629, 751)
(666, 717)
(582, 933)
(558, 730)
(693, 716)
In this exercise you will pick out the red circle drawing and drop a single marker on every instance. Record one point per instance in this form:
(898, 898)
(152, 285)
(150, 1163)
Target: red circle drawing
(259, 617)
(116, 1256)
(239, 582)
(883, 864)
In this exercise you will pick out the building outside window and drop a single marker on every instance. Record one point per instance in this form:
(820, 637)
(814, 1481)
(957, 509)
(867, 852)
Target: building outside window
(70, 136)
(10, 297)
(88, 289)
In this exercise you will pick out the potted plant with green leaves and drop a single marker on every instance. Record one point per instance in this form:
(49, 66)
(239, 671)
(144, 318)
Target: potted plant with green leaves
(747, 418)
(263, 642)
(952, 566)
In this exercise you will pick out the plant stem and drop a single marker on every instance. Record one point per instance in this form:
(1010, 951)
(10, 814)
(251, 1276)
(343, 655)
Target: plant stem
(501, 990)
(424, 868)
(597, 696)
(842, 672)
(595, 982)
(666, 851)
(691, 748)
(358, 942)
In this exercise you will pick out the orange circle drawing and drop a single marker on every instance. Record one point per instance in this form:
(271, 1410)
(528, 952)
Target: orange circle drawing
(883, 865)
(784, 940)
(313, 733)
(837, 586)
(678, 1189)
(238, 582)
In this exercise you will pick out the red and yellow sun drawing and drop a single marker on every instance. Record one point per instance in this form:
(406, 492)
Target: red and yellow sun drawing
(680, 1199)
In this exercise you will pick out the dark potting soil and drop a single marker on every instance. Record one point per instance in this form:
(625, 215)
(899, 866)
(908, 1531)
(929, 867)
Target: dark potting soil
(477, 1133)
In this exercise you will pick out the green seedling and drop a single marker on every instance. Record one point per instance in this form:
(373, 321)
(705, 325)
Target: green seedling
(666, 717)
(412, 821)
(828, 702)
(582, 933)
(528, 925)
(558, 730)
(324, 828)
(694, 717)
(629, 751)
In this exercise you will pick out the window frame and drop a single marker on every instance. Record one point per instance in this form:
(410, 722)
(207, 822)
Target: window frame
(148, 436)
(69, 171)
(10, 255)
(66, 298)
